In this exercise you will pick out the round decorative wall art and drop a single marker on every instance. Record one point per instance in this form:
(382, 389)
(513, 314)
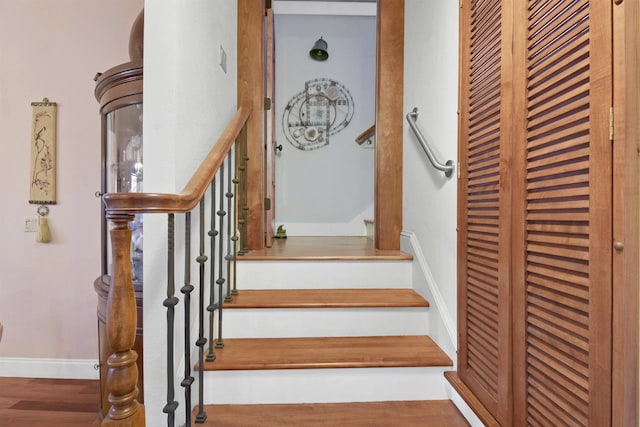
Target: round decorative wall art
(322, 109)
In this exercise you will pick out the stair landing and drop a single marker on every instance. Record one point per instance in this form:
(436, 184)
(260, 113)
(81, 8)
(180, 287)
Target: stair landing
(324, 248)
(433, 413)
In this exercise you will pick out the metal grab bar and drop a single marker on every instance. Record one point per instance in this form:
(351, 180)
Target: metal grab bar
(447, 167)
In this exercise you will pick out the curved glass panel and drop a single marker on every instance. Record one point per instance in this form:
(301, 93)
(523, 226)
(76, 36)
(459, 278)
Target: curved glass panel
(124, 171)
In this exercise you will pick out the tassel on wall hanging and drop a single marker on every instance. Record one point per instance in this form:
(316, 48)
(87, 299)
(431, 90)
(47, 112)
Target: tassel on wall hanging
(43, 163)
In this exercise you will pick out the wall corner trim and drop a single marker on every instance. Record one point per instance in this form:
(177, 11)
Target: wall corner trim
(49, 368)
(438, 300)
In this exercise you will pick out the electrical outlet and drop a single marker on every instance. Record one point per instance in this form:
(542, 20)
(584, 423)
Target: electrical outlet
(31, 224)
(223, 59)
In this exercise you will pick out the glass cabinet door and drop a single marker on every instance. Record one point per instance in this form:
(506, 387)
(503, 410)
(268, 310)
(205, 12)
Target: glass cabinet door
(124, 171)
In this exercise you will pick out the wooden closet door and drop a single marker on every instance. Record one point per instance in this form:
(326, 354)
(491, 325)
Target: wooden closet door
(562, 219)
(535, 218)
(484, 314)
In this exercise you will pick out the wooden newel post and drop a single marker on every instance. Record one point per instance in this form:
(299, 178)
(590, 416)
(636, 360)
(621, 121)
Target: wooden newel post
(122, 376)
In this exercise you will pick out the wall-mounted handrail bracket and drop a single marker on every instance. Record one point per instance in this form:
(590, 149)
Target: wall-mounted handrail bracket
(367, 136)
(446, 167)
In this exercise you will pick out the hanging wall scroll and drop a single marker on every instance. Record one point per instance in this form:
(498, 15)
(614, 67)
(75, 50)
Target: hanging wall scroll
(43, 162)
(324, 108)
(43, 153)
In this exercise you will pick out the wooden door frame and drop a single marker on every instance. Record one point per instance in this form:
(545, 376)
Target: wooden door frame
(389, 118)
(389, 124)
(626, 208)
(270, 131)
(251, 90)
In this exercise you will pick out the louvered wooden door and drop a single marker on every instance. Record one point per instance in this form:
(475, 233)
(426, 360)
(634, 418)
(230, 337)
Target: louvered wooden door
(484, 319)
(535, 210)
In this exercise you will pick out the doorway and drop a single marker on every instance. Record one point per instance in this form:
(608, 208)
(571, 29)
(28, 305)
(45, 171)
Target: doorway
(389, 120)
(324, 180)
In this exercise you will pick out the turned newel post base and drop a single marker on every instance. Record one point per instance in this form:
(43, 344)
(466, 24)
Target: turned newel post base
(122, 375)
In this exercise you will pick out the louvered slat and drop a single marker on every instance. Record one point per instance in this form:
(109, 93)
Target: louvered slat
(559, 170)
(557, 410)
(573, 373)
(573, 398)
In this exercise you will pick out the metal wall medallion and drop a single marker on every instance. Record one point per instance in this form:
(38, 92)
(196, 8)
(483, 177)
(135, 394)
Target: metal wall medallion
(324, 108)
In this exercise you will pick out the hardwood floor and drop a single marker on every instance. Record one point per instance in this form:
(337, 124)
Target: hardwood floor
(38, 402)
(324, 248)
(33, 402)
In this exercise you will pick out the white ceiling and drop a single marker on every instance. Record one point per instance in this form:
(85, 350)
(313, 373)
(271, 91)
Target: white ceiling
(339, 1)
(325, 7)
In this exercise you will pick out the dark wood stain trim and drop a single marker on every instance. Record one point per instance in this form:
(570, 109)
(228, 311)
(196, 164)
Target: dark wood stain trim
(470, 399)
(626, 208)
(251, 90)
(389, 124)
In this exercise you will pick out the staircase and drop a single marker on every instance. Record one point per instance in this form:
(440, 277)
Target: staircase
(327, 331)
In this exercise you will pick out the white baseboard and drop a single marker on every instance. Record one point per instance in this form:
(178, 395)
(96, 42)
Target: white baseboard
(465, 410)
(438, 299)
(49, 368)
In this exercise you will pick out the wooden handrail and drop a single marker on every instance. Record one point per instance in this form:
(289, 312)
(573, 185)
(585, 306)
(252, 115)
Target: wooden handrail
(118, 203)
(366, 134)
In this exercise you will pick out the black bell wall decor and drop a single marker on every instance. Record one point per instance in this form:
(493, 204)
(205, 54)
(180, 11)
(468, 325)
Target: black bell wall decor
(319, 50)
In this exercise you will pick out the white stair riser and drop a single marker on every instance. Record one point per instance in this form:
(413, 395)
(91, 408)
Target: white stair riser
(325, 385)
(325, 322)
(323, 274)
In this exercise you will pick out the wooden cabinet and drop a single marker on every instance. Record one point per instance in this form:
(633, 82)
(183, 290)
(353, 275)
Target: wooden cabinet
(535, 210)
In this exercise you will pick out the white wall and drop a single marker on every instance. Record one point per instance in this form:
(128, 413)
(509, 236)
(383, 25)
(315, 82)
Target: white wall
(429, 200)
(327, 191)
(189, 101)
(47, 302)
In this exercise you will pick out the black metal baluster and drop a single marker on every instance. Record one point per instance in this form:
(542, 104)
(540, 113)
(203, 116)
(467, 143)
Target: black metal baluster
(170, 302)
(244, 208)
(236, 236)
(186, 290)
(240, 202)
(229, 258)
(220, 282)
(211, 356)
(202, 341)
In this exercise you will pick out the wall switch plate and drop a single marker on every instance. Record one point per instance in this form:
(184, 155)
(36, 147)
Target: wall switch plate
(31, 224)
(223, 59)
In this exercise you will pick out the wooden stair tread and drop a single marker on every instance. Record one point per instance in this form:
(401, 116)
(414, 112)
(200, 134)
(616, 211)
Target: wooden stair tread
(358, 248)
(327, 298)
(432, 413)
(328, 352)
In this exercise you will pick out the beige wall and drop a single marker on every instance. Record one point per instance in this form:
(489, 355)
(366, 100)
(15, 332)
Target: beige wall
(53, 49)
